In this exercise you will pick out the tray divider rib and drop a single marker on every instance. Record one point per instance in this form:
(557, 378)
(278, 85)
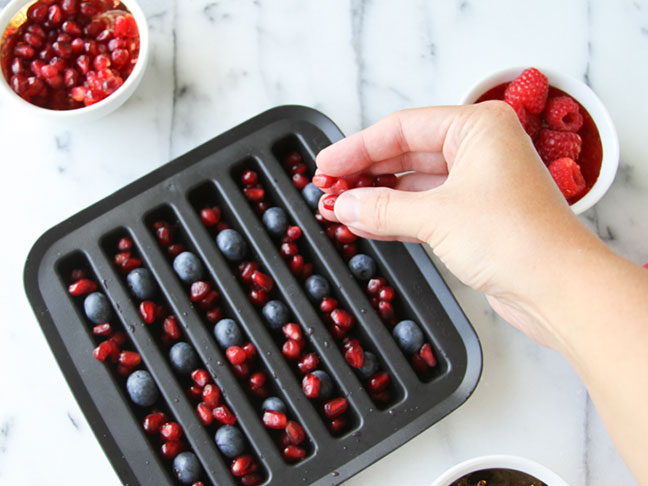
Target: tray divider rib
(157, 364)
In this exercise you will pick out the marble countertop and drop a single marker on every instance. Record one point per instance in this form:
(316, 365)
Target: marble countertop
(216, 63)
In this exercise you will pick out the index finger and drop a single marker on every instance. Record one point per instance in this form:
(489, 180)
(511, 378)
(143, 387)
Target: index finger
(413, 130)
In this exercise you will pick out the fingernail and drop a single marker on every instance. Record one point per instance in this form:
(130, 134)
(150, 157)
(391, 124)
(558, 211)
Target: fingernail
(347, 208)
(329, 202)
(323, 181)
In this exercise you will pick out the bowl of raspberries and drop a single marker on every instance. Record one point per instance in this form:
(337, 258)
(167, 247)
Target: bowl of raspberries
(570, 127)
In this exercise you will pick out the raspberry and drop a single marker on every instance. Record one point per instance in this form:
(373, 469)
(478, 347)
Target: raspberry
(552, 145)
(530, 88)
(530, 123)
(563, 113)
(568, 177)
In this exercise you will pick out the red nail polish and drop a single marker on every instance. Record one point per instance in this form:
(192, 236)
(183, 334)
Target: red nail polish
(329, 202)
(324, 181)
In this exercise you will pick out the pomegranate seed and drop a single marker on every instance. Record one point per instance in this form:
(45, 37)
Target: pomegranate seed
(418, 363)
(195, 392)
(274, 420)
(214, 315)
(262, 281)
(324, 181)
(308, 363)
(292, 331)
(258, 297)
(293, 233)
(349, 250)
(171, 431)
(379, 381)
(320, 219)
(246, 269)
(365, 180)
(336, 407)
(78, 274)
(153, 421)
(175, 249)
(210, 216)
(223, 415)
(17, 67)
(199, 290)
(299, 169)
(130, 264)
(148, 311)
(297, 265)
(311, 385)
(342, 318)
(171, 327)
(386, 180)
(71, 78)
(82, 287)
(293, 158)
(118, 43)
(386, 293)
(385, 310)
(37, 13)
(56, 82)
(83, 63)
(343, 234)
(171, 448)
(104, 330)
(77, 45)
(294, 453)
(427, 354)
(111, 85)
(291, 349)
(330, 231)
(24, 51)
(129, 359)
(382, 396)
(349, 343)
(33, 40)
(235, 355)
(354, 355)
(299, 181)
(204, 413)
(200, 377)
(338, 332)
(78, 93)
(257, 380)
(54, 15)
(262, 391)
(288, 250)
(250, 351)
(252, 479)
(125, 26)
(328, 202)
(103, 36)
(72, 28)
(125, 243)
(209, 300)
(339, 186)
(254, 194)
(338, 424)
(69, 7)
(261, 207)
(104, 350)
(164, 234)
(88, 9)
(249, 178)
(375, 285)
(241, 371)
(211, 395)
(119, 338)
(328, 305)
(242, 465)
(295, 432)
(222, 226)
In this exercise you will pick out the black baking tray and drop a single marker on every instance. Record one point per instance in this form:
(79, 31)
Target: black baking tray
(375, 432)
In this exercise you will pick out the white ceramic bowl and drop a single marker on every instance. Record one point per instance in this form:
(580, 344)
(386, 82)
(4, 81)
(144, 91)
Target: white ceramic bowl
(96, 110)
(500, 462)
(586, 97)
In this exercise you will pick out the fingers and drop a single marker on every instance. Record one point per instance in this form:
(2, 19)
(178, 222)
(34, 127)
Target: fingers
(421, 130)
(419, 182)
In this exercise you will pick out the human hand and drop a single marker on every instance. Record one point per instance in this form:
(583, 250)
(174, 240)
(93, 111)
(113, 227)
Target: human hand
(475, 191)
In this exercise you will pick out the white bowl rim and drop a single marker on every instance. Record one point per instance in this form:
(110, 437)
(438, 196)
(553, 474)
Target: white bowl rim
(500, 461)
(590, 101)
(107, 104)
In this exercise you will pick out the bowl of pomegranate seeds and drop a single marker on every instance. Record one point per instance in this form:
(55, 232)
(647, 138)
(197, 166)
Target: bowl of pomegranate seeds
(571, 129)
(72, 60)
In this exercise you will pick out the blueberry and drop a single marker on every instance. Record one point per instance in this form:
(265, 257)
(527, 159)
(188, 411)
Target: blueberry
(363, 267)
(326, 384)
(275, 221)
(317, 287)
(232, 244)
(230, 441)
(97, 307)
(142, 389)
(228, 333)
(183, 358)
(275, 404)
(408, 336)
(370, 366)
(141, 283)
(312, 194)
(187, 467)
(188, 267)
(276, 314)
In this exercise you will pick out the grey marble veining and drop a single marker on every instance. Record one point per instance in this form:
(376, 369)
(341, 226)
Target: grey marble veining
(214, 64)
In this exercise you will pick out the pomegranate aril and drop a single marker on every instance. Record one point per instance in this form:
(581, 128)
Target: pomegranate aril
(427, 354)
(83, 63)
(171, 327)
(338, 424)
(293, 233)
(344, 235)
(291, 349)
(204, 413)
(153, 421)
(261, 207)
(70, 78)
(386, 310)
(274, 420)
(311, 385)
(111, 85)
(171, 431)
(297, 265)
(148, 311)
(242, 465)
(223, 415)
(72, 28)
(54, 15)
(241, 370)
(342, 318)
(254, 194)
(119, 338)
(199, 290)
(349, 250)
(37, 13)
(335, 407)
(354, 355)
(171, 448)
(300, 181)
(104, 36)
(125, 26)
(164, 234)
(295, 432)
(386, 293)
(211, 395)
(258, 297)
(104, 350)
(235, 355)
(56, 82)
(175, 249)
(328, 202)
(263, 281)
(82, 287)
(69, 7)
(249, 178)
(130, 264)
(257, 380)
(292, 331)
(308, 363)
(103, 330)
(382, 396)
(250, 351)
(365, 180)
(33, 40)
(125, 243)
(195, 392)
(339, 187)
(200, 377)
(294, 453)
(251, 479)
(379, 381)
(210, 216)
(88, 9)
(209, 301)
(386, 180)
(288, 250)
(375, 285)
(129, 359)
(293, 159)
(419, 363)
(214, 315)
(24, 51)
(338, 332)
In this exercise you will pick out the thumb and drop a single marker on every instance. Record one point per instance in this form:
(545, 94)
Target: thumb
(386, 212)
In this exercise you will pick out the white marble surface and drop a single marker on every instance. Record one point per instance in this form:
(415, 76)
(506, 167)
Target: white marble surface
(217, 63)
